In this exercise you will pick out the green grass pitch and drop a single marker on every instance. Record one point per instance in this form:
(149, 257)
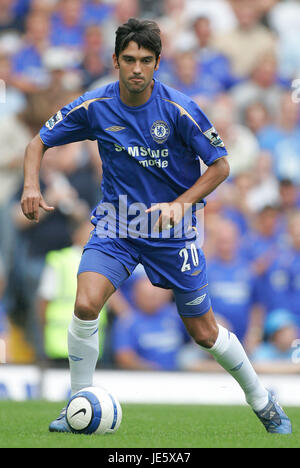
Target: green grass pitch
(25, 425)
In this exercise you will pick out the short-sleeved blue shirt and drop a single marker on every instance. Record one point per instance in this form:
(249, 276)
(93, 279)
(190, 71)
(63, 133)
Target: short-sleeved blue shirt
(150, 153)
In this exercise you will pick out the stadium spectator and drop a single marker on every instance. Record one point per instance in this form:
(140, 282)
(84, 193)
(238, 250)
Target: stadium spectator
(94, 64)
(57, 291)
(12, 154)
(265, 247)
(262, 241)
(288, 204)
(126, 9)
(61, 66)
(289, 197)
(248, 35)
(265, 190)
(151, 8)
(231, 282)
(62, 84)
(123, 9)
(280, 332)
(280, 272)
(97, 12)
(282, 139)
(229, 202)
(22, 7)
(263, 86)
(273, 288)
(283, 18)
(12, 100)
(41, 6)
(172, 22)
(9, 20)
(294, 266)
(186, 75)
(67, 24)
(241, 143)
(93, 39)
(28, 71)
(213, 63)
(150, 337)
(196, 68)
(11, 172)
(256, 116)
(219, 12)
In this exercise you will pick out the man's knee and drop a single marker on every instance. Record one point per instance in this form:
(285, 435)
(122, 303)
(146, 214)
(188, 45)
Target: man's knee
(92, 293)
(204, 330)
(205, 338)
(86, 310)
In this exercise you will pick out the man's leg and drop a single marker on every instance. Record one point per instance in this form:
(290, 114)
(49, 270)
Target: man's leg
(83, 339)
(99, 276)
(229, 353)
(227, 350)
(83, 342)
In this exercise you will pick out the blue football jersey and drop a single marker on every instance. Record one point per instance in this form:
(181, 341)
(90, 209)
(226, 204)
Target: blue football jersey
(150, 153)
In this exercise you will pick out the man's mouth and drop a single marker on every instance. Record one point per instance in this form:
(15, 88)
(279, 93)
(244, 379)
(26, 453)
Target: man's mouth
(136, 80)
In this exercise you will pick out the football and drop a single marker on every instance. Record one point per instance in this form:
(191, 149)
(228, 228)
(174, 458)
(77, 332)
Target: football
(93, 410)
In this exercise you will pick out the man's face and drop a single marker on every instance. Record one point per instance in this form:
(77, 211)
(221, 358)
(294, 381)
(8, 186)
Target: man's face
(136, 67)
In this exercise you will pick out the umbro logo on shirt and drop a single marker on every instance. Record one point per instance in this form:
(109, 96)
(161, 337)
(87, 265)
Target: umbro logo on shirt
(115, 128)
(197, 301)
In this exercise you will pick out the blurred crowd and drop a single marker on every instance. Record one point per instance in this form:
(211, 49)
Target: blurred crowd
(240, 61)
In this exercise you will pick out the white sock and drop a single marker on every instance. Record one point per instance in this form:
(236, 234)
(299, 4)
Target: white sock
(83, 346)
(230, 354)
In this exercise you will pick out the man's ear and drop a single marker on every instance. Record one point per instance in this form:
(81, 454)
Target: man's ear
(116, 62)
(157, 64)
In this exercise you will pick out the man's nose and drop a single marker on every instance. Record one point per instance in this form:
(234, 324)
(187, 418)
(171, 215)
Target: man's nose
(137, 68)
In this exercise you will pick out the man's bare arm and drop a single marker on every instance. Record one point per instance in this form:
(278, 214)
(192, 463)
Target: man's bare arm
(32, 198)
(207, 183)
(172, 213)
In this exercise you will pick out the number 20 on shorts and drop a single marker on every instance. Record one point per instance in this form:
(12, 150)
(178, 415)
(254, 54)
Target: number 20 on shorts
(189, 255)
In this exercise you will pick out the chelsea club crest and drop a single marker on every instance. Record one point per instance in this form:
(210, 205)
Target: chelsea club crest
(160, 131)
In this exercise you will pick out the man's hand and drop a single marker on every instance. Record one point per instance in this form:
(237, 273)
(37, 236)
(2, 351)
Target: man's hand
(171, 214)
(31, 201)
(32, 198)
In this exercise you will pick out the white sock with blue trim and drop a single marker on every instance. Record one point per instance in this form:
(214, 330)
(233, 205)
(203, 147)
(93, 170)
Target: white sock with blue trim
(83, 347)
(230, 354)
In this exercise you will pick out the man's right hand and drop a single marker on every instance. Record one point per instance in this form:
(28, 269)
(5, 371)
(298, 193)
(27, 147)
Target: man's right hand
(31, 201)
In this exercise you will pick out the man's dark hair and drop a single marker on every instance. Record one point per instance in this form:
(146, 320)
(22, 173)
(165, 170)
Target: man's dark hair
(145, 33)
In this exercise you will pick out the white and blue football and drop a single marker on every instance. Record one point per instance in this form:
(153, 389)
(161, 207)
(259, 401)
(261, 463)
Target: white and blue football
(93, 410)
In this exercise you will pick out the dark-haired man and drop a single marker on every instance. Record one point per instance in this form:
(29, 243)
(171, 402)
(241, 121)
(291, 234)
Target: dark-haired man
(150, 138)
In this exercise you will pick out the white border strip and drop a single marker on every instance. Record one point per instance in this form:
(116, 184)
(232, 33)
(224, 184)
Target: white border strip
(27, 382)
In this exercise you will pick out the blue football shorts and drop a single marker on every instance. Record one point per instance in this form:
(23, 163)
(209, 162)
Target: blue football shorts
(179, 266)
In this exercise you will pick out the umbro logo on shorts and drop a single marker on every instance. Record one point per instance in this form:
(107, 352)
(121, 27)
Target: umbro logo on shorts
(197, 301)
